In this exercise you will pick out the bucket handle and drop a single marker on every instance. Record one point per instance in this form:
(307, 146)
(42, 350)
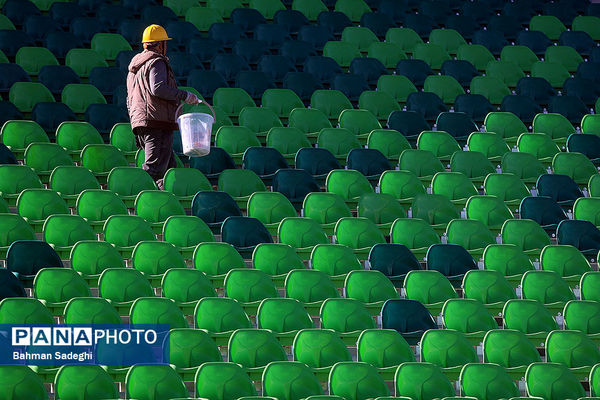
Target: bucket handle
(199, 101)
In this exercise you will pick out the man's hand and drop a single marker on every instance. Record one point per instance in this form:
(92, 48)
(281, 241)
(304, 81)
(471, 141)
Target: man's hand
(191, 98)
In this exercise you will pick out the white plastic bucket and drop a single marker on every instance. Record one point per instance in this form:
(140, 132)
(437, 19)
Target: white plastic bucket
(195, 131)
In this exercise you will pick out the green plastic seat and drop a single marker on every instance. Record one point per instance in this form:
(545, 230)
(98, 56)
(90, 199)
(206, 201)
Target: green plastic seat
(24, 310)
(63, 231)
(422, 381)
(121, 136)
(490, 144)
(96, 205)
(553, 72)
(186, 232)
(403, 185)
(240, 184)
(154, 382)
(428, 287)
(310, 8)
(287, 141)
(398, 86)
(575, 165)
(456, 186)
(552, 381)
(407, 38)
(245, 284)
(13, 227)
(388, 141)
(219, 314)
(345, 315)
(357, 233)
(565, 260)
(301, 233)
(505, 124)
(308, 120)
(216, 258)
(58, 285)
(436, 209)
(506, 187)
(528, 316)
(360, 36)
(476, 54)
(348, 183)
(415, 233)
(524, 233)
(383, 348)
(25, 95)
(232, 100)
(582, 315)
(90, 310)
(282, 315)
(108, 45)
(440, 143)
(433, 54)
(471, 234)
(78, 96)
(587, 24)
(369, 286)
(331, 102)
(546, 287)
(289, 380)
(359, 122)
(567, 56)
(490, 87)
(571, 348)
(445, 86)
(17, 135)
(449, 39)
(276, 258)
(102, 158)
(155, 258)
(20, 381)
(539, 144)
(186, 285)
(381, 208)
(509, 348)
(35, 205)
(254, 348)
(447, 348)
(342, 52)
(202, 17)
(123, 285)
(184, 183)
(157, 311)
(259, 119)
(422, 163)
(235, 140)
(155, 206)
(488, 209)
(281, 101)
(548, 24)
(73, 381)
(524, 166)
(467, 316)
(388, 53)
(44, 157)
(128, 182)
(319, 348)
(125, 231)
(91, 257)
(267, 8)
(6, 23)
(487, 381)
(73, 136)
(224, 7)
(487, 286)
(307, 285)
(356, 381)
(222, 381)
(339, 141)
(506, 71)
(557, 126)
(523, 56)
(190, 348)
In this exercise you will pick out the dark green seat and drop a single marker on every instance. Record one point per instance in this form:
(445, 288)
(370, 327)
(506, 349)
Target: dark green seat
(409, 317)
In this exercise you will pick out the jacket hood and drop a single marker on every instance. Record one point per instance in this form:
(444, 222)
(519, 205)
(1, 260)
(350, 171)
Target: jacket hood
(142, 58)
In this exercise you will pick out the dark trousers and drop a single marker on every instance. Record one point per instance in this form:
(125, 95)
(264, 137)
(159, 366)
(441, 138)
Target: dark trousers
(158, 151)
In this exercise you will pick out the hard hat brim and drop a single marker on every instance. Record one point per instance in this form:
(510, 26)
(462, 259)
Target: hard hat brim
(154, 41)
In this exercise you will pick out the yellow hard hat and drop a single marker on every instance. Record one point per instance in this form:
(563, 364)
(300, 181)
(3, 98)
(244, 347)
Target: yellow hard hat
(154, 33)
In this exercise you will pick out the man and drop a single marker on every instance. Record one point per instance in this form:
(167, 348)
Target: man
(152, 100)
